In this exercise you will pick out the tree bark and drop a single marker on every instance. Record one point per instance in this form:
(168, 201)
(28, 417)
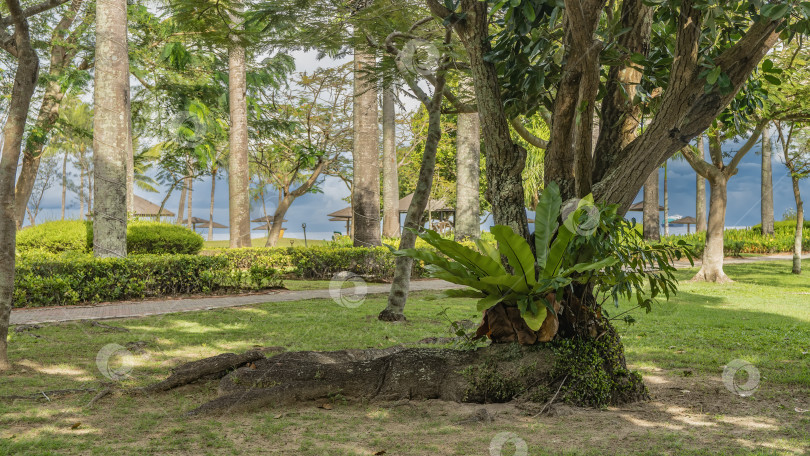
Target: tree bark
(211, 208)
(797, 238)
(25, 80)
(700, 186)
(713, 254)
(112, 131)
(365, 155)
(181, 208)
(390, 174)
(505, 160)
(64, 183)
(468, 160)
(238, 178)
(61, 56)
(189, 225)
(666, 200)
(767, 184)
(651, 213)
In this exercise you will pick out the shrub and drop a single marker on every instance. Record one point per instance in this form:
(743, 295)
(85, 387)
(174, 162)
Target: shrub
(77, 236)
(71, 278)
(749, 240)
(54, 237)
(158, 238)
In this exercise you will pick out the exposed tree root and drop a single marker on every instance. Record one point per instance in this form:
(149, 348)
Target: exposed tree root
(498, 373)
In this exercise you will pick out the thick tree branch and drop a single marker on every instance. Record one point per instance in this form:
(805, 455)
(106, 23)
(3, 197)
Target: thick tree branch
(524, 133)
(32, 11)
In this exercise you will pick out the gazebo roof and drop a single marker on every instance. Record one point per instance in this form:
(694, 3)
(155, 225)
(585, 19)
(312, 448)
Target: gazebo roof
(146, 208)
(345, 213)
(199, 221)
(684, 221)
(639, 207)
(265, 226)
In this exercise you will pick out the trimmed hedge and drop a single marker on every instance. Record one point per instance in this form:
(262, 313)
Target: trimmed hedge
(54, 237)
(54, 280)
(737, 242)
(143, 238)
(320, 262)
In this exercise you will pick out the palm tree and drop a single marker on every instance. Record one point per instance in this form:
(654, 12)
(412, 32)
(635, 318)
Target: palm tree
(111, 127)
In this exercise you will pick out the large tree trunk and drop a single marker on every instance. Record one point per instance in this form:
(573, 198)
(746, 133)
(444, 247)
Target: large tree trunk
(130, 172)
(238, 178)
(390, 174)
(700, 187)
(712, 268)
(797, 239)
(505, 160)
(23, 89)
(365, 155)
(25, 184)
(767, 184)
(211, 208)
(112, 135)
(278, 218)
(651, 214)
(468, 159)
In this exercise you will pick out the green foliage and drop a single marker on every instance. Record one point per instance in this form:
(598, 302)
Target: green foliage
(77, 236)
(592, 247)
(54, 237)
(748, 240)
(72, 278)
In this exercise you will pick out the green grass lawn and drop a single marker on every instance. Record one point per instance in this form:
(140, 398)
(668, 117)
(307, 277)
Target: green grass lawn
(763, 318)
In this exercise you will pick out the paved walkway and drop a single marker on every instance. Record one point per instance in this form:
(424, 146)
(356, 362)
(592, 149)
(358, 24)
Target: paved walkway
(158, 307)
(165, 306)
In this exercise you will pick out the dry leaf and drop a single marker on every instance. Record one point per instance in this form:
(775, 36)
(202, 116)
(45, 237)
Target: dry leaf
(379, 453)
(75, 425)
(800, 410)
(326, 406)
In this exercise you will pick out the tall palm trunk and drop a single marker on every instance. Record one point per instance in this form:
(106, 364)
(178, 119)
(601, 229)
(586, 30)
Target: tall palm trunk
(211, 208)
(189, 225)
(767, 183)
(238, 178)
(651, 216)
(112, 136)
(797, 237)
(700, 187)
(390, 174)
(365, 155)
(21, 93)
(64, 183)
(666, 200)
(468, 159)
(181, 209)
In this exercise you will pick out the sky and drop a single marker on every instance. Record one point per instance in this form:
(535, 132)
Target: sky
(743, 192)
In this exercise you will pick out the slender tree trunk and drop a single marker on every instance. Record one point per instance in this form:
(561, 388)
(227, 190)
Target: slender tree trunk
(797, 239)
(182, 206)
(189, 225)
(64, 184)
(238, 178)
(700, 185)
(366, 156)
(398, 296)
(666, 200)
(651, 215)
(211, 208)
(23, 89)
(81, 194)
(130, 173)
(468, 159)
(112, 133)
(278, 218)
(25, 184)
(767, 183)
(390, 174)
(712, 268)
